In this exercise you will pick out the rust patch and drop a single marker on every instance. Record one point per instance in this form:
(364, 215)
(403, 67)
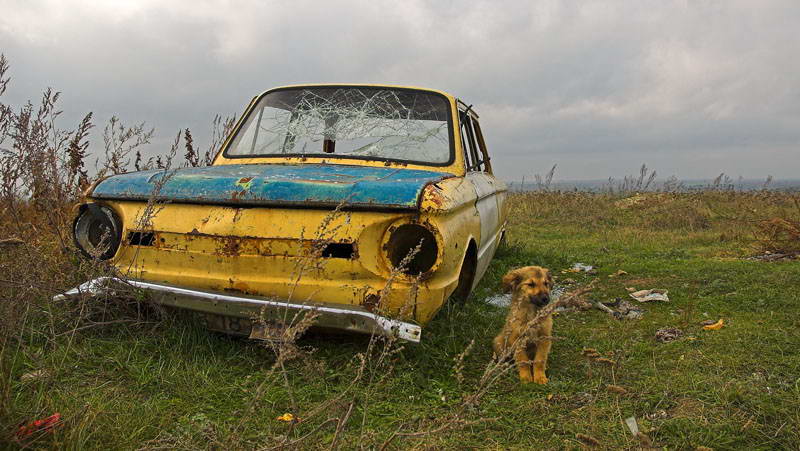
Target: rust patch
(372, 302)
(238, 195)
(245, 183)
(229, 246)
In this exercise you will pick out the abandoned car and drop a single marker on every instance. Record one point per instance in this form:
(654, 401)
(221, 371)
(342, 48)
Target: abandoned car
(371, 206)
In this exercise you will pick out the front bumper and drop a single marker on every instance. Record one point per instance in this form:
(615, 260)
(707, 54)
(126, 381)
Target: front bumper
(339, 317)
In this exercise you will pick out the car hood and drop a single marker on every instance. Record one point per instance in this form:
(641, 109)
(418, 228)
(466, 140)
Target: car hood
(302, 185)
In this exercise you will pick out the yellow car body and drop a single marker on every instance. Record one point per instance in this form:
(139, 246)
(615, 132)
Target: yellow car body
(320, 231)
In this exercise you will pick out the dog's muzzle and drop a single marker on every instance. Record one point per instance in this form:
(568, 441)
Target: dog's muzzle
(541, 301)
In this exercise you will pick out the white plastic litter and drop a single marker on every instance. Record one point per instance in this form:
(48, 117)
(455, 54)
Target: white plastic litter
(650, 295)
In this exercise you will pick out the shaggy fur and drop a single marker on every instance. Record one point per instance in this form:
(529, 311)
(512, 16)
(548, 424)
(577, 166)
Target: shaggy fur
(530, 287)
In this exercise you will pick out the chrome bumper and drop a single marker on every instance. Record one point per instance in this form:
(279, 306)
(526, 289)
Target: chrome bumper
(341, 317)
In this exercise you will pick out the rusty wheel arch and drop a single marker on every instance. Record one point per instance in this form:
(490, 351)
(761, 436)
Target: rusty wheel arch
(466, 274)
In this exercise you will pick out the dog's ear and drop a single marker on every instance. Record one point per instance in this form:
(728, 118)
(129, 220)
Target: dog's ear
(510, 280)
(549, 277)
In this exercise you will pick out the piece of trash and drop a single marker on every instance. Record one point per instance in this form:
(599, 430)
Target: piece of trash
(632, 425)
(716, 326)
(616, 389)
(604, 360)
(288, 418)
(581, 267)
(43, 425)
(550, 397)
(630, 289)
(650, 295)
(619, 273)
(500, 299)
(707, 322)
(622, 309)
(38, 374)
(629, 311)
(668, 334)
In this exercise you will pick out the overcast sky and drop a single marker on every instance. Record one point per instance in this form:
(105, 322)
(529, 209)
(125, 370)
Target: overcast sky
(691, 88)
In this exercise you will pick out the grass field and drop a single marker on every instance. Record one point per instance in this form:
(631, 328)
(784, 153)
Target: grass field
(167, 383)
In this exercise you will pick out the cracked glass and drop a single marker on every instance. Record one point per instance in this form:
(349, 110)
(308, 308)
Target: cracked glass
(353, 122)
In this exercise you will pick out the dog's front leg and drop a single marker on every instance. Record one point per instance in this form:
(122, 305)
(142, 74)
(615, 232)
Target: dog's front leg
(523, 364)
(540, 361)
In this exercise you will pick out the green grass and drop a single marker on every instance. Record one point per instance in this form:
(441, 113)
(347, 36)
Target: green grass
(174, 384)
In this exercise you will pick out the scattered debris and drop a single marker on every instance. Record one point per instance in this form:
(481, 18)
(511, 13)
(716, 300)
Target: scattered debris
(630, 289)
(707, 322)
(660, 414)
(38, 374)
(632, 425)
(604, 360)
(288, 418)
(621, 309)
(504, 299)
(42, 425)
(715, 326)
(500, 299)
(644, 440)
(616, 389)
(668, 334)
(581, 267)
(650, 295)
(587, 440)
(619, 273)
(773, 257)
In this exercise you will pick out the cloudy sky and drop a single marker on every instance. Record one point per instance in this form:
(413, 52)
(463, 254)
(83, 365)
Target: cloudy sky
(691, 88)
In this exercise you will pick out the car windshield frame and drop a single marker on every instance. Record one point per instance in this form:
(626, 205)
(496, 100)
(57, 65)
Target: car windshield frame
(254, 109)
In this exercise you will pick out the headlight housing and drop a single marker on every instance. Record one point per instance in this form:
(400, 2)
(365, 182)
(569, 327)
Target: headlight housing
(97, 231)
(403, 241)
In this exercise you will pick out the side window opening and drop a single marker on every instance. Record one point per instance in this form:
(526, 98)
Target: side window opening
(487, 165)
(468, 160)
(473, 156)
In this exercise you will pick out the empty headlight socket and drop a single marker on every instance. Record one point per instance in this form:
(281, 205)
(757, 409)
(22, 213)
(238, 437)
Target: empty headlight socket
(94, 211)
(401, 239)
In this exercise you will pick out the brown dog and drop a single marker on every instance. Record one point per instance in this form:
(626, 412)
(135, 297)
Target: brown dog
(530, 288)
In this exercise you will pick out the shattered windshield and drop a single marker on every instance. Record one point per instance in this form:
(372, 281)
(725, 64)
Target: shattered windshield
(355, 122)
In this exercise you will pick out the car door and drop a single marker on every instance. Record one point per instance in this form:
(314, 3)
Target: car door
(489, 192)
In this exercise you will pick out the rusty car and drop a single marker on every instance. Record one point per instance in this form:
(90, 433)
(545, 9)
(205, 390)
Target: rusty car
(370, 205)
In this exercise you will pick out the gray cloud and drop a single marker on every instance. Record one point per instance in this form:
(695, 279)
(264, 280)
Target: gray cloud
(691, 88)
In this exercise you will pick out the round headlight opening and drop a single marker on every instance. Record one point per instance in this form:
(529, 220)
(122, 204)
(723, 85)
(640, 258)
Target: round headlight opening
(403, 243)
(97, 232)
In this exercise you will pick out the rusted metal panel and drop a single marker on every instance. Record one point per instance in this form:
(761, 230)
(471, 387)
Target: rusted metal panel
(303, 185)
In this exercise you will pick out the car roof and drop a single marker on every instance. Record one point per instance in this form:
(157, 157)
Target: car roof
(369, 85)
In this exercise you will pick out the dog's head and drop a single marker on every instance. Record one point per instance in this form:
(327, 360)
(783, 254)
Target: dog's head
(530, 283)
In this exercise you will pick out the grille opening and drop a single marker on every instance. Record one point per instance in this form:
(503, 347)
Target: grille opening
(141, 238)
(339, 250)
(404, 240)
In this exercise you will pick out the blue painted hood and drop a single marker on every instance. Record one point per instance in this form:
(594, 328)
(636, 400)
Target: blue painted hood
(320, 185)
